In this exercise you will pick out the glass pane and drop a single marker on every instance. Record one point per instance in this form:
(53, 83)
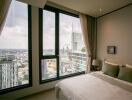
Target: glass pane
(14, 47)
(72, 50)
(48, 33)
(48, 68)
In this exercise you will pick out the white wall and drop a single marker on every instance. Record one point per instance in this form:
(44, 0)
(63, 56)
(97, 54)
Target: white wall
(35, 65)
(116, 29)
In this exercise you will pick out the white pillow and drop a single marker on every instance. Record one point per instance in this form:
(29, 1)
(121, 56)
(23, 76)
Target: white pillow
(111, 63)
(129, 66)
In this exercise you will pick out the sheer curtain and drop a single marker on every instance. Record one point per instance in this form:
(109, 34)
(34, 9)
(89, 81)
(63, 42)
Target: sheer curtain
(84, 24)
(88, 25)
(4, 7)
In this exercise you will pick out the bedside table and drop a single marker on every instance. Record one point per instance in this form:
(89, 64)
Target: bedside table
(96, 68)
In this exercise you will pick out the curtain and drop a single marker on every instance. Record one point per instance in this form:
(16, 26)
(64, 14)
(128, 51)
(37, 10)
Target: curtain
(4, 7)
(88, 25)
(92, 29)
(84, 24)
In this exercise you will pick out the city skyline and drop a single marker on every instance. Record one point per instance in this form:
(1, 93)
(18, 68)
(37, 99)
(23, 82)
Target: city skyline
(14, 62)
(14, 68)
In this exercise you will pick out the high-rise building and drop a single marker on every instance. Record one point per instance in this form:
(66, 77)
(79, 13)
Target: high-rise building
(44, 69)
(78, 57)
(77, 41)
(8, 73)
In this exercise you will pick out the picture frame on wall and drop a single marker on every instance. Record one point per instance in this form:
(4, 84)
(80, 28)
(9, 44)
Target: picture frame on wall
(111, 49)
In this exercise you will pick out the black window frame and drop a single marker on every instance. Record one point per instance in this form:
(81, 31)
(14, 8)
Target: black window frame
(7, 90)
(41, 56)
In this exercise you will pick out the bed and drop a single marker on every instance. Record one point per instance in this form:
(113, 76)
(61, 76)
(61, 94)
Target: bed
(93, 86)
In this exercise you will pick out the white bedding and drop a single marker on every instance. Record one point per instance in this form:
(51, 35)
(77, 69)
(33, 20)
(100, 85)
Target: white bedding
(89, 87)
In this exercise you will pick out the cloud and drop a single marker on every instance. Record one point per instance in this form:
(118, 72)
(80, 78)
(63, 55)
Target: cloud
(13, 38)
(15, 31)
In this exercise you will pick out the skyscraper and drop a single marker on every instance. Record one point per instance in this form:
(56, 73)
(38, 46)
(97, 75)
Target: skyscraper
(9, 73)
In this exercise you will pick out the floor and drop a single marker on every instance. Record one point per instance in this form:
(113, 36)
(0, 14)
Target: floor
(48, 95)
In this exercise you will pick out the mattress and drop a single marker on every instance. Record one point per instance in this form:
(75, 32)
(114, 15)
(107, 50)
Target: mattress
(93, 86)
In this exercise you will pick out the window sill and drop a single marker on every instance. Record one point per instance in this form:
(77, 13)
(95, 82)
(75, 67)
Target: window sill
(61, 77)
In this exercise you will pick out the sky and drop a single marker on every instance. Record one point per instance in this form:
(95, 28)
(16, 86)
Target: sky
(68, 24)
(15, 32)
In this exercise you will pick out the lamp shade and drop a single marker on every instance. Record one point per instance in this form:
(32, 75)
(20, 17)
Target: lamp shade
(95, 62)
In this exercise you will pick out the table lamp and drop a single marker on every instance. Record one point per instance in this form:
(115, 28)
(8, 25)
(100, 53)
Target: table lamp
(95, 64)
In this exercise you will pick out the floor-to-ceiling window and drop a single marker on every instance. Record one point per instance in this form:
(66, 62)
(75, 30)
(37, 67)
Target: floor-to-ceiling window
(62, 50)
(71, 47)
(49, 61)
(15, 48)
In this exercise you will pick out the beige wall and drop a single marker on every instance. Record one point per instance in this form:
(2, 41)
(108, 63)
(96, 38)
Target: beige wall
(35, 66)
(116, 29)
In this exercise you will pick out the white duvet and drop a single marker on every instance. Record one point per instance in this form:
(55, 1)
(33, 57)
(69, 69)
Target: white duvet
(89, 87)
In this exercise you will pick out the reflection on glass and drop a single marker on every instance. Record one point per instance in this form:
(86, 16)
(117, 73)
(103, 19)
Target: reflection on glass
(48, 33)
(14, 47)
(72, 51)
(48, 68)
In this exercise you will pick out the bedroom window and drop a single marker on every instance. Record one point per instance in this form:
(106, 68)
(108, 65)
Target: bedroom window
(48, 33)
(15, 57)
(48, 49)
(71, 47)
(62, 51)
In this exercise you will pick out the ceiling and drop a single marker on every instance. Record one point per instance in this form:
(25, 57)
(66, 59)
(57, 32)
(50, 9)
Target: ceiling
(94, 8)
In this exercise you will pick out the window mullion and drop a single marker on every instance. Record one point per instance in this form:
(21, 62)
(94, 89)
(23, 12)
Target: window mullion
(57, 40)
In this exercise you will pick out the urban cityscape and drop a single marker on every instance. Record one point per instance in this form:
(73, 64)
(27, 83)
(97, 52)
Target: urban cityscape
(14, 64)
(71, 59)
(13, 67)
(72, 53)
